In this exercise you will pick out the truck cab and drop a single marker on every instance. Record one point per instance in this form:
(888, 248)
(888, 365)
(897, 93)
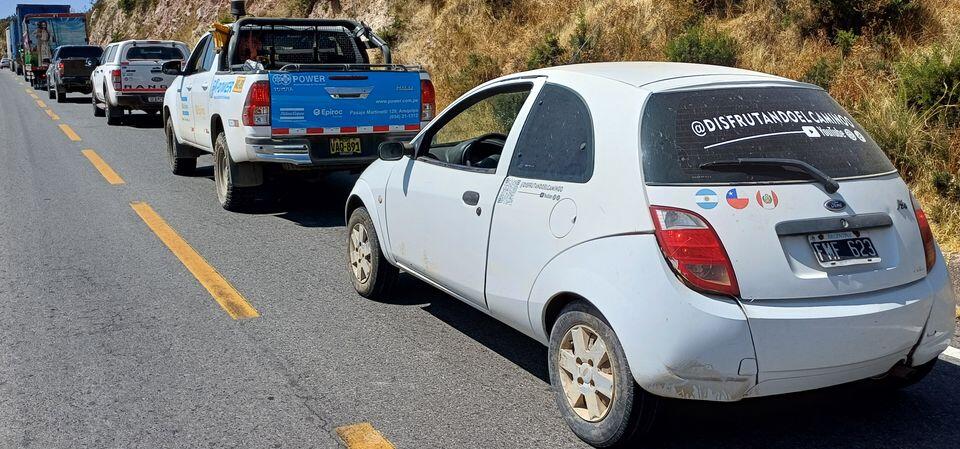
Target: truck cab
(275, 98)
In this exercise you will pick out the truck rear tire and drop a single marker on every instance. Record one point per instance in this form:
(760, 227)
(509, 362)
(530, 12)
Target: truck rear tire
(97, 112)
(230, 196)
(180, 166)
(51, 95)
(61, 95)
(114, 114)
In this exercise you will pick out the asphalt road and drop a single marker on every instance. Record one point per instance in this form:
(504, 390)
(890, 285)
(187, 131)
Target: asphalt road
(107, 340)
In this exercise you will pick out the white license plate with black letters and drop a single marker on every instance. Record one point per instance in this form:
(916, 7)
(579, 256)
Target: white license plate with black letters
(835, 249)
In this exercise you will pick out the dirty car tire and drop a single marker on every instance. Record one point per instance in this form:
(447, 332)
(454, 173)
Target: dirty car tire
(97, 112)
(230, 196)
(630, 412)
(372, 275)
(114, 114)
(51, 93)
(181, 166)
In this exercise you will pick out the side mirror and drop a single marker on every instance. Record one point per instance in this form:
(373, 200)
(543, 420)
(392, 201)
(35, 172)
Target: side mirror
(172, 68)
(45, 61)
(395, 150)
(92, 62)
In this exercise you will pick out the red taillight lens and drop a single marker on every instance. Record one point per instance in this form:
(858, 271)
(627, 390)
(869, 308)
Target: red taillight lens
(694, 250)
(60, 67)
(256, 110)
(115, 77)
(926, 234)
(428, 101)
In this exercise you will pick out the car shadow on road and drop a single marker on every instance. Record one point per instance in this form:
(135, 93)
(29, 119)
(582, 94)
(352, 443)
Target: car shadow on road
(143, 121)
(77, 100)
(853, 415)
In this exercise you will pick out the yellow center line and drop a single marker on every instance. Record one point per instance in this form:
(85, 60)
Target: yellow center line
(35, 97)
(41, 104)
(69, 132)
(363, 436)
(52, 115)
(228, 297)
(111, 176)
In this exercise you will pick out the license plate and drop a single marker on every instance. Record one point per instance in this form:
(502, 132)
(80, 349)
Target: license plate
(836, 249)
(345, 146)
(155, 99)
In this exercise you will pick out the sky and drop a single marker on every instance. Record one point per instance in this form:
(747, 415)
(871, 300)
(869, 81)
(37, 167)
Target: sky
(8, 7)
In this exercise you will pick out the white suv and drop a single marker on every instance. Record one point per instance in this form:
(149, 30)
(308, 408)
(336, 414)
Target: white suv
(130, 77)
(671, 230)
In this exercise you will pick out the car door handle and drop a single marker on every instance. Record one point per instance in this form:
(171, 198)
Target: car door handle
(189, 87)
(204, 86)
(471, 198)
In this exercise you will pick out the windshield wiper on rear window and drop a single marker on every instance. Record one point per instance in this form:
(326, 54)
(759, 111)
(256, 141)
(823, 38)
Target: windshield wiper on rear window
(745, 163)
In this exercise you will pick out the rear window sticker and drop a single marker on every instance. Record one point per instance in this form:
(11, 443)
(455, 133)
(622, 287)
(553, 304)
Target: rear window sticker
(735, 201)
(706, 198)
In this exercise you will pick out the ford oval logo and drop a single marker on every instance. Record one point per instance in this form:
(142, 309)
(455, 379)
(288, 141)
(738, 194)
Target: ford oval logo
(156, 79)
(835, 205)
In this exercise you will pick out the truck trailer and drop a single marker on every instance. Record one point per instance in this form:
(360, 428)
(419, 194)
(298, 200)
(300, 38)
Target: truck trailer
(42, 34)
(16, 28)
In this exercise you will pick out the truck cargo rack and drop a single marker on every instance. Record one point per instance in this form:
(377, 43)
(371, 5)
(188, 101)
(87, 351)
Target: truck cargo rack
(349, 67)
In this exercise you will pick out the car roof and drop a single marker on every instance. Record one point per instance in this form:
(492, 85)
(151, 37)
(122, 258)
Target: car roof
(648, 74)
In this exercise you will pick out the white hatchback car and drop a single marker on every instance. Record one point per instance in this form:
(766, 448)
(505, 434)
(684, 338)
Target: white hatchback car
(672, 230)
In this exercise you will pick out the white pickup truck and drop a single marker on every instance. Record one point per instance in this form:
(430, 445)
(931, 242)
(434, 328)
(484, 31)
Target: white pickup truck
(130, 77)
(279, 96)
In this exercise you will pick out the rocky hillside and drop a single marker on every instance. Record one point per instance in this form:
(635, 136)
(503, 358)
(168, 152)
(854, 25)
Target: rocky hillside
(894, 63)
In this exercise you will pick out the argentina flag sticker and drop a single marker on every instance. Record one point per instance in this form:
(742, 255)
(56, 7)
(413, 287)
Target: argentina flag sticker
(706, 198)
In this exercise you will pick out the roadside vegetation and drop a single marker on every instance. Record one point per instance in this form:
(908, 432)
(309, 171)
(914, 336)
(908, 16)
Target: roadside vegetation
(895, 64)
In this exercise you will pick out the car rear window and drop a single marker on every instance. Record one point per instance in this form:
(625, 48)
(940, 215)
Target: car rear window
(80, 52)
(153, 53)
(682, 130)
(275, 46)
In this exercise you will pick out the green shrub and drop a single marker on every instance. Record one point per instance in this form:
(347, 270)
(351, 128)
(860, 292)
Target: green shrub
(834, 16)
(942, 182)
(127, 5)
(845, 40)
(699, 45)
(478, 70)
(583, 41)
(931, 81)
(547, 53)
(821, 73)
(393, 33)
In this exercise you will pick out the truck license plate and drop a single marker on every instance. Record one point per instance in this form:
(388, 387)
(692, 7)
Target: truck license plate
(155, 99)
(835, 249)
(345, 146)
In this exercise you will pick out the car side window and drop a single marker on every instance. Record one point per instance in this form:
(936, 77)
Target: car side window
(195, 63)
(556, 142)
(475, 132)
(208, 56)
(110, 51)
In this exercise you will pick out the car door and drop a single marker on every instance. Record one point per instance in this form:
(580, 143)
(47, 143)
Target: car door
(189, 109)
(439, 203)
(98, 73)
(200, 96)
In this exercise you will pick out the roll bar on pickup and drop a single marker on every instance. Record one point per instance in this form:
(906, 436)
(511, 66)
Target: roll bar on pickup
(358, 29)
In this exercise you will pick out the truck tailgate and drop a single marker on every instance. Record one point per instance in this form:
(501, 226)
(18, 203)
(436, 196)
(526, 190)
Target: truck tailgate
(144, 77)
(364, 102)
(76, 67)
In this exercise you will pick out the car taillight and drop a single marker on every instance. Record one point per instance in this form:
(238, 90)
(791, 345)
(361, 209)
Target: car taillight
(256, 110)
(428, 101)
(115, 77)
(926, 234)
(694, 250)
(60, 68)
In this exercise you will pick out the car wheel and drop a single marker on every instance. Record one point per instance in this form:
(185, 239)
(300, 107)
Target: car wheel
(114, 114)
(61, 95)
(97, 112)
(231, 197)
(594, 388)
(181, 166)
(51, 94)
(371, 273)
(901, 376)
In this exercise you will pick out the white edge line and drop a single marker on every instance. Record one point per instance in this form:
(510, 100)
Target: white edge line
(753, 137)
(952, 355)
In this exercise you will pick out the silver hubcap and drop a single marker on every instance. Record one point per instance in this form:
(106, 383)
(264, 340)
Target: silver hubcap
(222, 175)
(586, 373)
(360, 255)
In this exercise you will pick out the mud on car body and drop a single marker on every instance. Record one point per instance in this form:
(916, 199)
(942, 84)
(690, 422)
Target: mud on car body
(667, 230)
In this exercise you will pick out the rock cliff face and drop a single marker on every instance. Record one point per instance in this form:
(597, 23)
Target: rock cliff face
(187, 20)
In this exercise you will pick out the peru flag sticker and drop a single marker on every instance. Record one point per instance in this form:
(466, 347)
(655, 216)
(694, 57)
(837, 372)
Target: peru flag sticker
(735, 201)
(767, 200)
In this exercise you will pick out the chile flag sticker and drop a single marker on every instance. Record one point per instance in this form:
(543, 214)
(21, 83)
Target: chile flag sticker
(736, 202)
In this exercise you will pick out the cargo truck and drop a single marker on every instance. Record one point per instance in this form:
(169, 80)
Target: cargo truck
(15, 41)
(42, 34)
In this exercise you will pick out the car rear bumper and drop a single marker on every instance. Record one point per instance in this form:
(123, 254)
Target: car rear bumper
(75, 83)
(719, 350)
(314, 151)
(140, 101)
